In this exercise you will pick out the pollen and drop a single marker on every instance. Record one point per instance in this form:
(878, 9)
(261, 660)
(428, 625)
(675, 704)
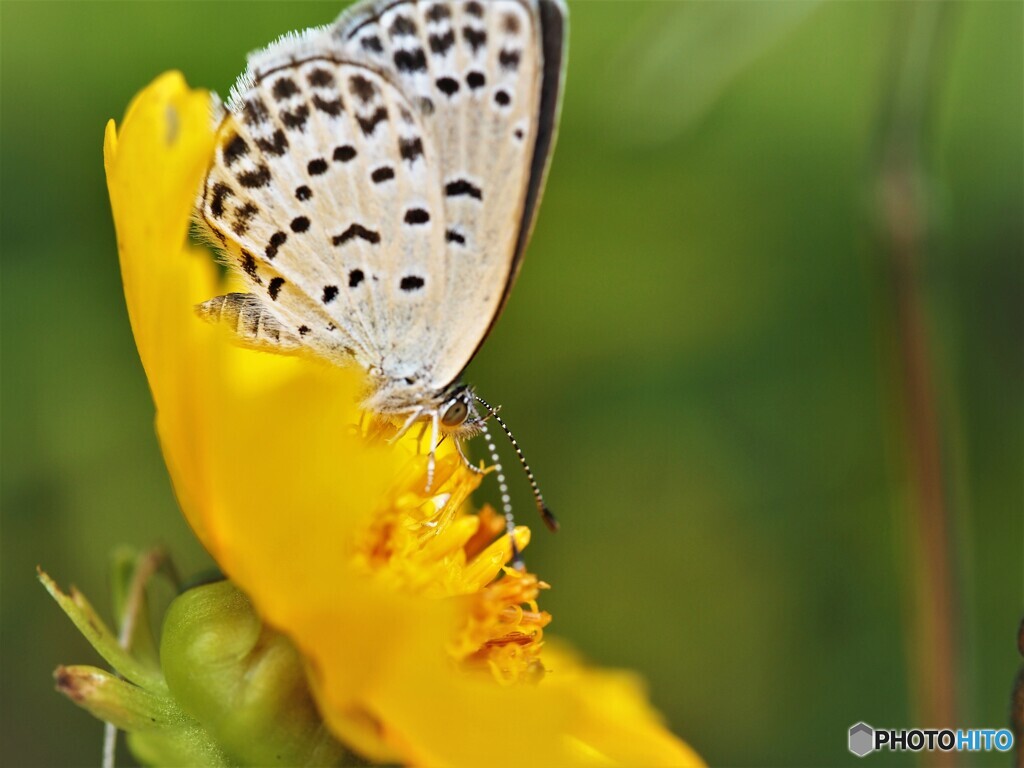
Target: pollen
(433, 545)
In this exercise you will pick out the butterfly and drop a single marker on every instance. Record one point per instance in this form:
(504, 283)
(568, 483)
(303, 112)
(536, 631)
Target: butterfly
(375, 184)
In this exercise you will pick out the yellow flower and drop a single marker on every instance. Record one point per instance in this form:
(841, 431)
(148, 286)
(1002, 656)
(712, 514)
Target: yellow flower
(421, 645)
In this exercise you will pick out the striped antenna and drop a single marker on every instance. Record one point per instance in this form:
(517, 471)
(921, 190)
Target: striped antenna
(546, 514)
(506, 501)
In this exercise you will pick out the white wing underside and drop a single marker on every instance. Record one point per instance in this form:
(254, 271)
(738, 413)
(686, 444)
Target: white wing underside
(373, 180)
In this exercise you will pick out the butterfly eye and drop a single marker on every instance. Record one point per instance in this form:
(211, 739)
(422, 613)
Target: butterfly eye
(456, 414)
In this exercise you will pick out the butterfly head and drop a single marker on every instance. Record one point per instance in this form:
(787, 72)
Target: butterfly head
(459, 416)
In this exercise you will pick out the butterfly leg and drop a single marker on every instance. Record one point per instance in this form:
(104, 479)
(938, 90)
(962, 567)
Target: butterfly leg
(362, 423)
(465, 459)
(407, 426)
(419, 437)
(434, 429)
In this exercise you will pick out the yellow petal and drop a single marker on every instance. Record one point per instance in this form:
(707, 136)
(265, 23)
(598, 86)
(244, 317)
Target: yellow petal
(612, 715)
(261, 448)
(434, 713)
(154, 165)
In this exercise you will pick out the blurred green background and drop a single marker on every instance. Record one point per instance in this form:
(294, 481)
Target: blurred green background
(705, 357)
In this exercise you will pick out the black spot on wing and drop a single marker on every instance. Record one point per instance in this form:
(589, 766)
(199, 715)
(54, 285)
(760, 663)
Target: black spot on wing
(303, 193)
(369, 124)
(361, 88)
(438, 12)
(475, 80)
(453, 236)
(221, 192)
(285, 88)
(295, 119)
(402, 26)
(248, 264)
(448, 85)
(417, 216)
(411, 283)
(275, 146)
(300, 224)
(333, 107)
(316, 166)
(244, 215)
(234, 148)
(355, 277)
(255, 112)
(354, 231)
(411, 61)
(320, 78)
(410, 149)
(274, 288)
(382, 174)
(330, 292)
(441, 44)
(372, 44)
(344, 153)
(502, 98)
(259, 177)
(276, 241)
(303, 330)
(509, 60)
(475, 9)
(510, 23)
(460, 187)
(476, 38)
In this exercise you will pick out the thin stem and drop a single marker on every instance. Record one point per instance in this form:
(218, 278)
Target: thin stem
(147, 564)
(903, 204)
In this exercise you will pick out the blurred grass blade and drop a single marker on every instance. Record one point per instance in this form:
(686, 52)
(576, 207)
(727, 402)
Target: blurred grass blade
(912, 93)
(132, 573)
(682, 57)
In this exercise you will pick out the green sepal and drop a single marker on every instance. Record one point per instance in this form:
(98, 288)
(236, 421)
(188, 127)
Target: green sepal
(122, 704)
(159, 733)
(84, 616)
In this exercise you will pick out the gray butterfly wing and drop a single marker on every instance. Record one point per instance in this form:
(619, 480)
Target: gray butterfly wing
(485, 79)
(325, 196)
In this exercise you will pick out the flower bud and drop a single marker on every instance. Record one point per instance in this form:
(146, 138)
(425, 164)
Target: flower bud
(242, 680)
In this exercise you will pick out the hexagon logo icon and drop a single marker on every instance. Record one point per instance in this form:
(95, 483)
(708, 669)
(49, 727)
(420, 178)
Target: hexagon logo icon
(862, 739)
